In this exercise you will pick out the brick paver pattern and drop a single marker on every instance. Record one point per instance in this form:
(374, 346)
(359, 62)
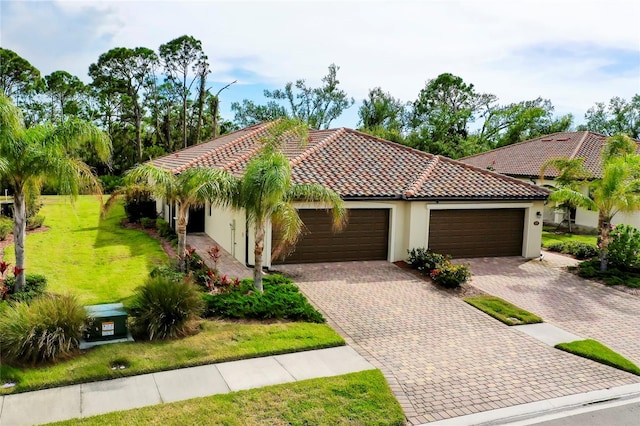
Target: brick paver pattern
(442, 357)
(586, 308)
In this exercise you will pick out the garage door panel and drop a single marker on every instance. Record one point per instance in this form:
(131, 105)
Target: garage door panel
(477, 233)
(365, 237)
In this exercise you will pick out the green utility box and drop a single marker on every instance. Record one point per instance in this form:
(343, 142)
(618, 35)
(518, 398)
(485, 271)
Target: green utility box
(106, 322)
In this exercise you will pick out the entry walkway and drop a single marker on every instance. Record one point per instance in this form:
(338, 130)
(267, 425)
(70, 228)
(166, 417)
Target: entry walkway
(227, 264)
(95, 398)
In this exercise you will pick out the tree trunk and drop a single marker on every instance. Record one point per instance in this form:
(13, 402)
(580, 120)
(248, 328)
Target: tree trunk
(181, 229)
(215, 104)
(19, 234)
(201, 96)
(257, 267)
(604, 225)
(138, 119)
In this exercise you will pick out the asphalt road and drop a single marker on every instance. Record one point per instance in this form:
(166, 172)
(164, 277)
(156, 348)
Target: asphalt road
(626, 414)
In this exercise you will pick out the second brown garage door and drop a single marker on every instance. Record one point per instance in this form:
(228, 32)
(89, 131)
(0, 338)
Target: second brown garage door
(366, 237)
(477, 233)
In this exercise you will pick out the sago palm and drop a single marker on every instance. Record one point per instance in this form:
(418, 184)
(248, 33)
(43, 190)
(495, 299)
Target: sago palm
(44, 154)
(266, 192)
(192, 188)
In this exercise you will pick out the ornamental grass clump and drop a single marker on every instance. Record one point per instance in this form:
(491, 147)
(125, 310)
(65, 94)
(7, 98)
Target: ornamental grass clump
(45, 330)
(165, 309)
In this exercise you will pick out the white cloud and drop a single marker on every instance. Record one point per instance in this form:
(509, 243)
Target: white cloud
(395, 45)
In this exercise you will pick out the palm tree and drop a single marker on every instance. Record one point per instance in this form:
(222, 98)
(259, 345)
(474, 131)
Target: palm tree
(266, 192)
(571, 174)
(618, 190)
(191, 188)
(44, 153)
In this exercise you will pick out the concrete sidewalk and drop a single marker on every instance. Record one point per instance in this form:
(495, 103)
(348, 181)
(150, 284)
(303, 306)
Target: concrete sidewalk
(90, 399)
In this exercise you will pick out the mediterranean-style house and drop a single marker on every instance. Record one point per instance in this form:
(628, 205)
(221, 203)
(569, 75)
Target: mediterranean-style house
(524, 160)
(398, 198)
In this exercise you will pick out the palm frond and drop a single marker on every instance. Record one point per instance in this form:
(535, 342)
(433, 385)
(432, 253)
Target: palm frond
(618, 145)
(75, 135)
(162, 182)
(572, 197)
(314, 193)
(286, 220)
(11, 123)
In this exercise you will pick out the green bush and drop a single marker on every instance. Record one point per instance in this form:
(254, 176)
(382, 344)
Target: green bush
(6, 227)
(147, 222)
(425, 260)
(624, 248)
(35, 222)
(450, 275)
(439, 267)
(169, 271)
(165, 230)
(110, 183)
(34, 286)
(281, 300)
(612, 276)
(47, 329)
(163, 308)
(579, 249)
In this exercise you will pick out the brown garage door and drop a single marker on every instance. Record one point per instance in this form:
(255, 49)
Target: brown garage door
(477, 233)
(365, 237)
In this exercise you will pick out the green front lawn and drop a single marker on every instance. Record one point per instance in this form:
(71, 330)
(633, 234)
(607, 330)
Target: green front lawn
(549, 237)
(93, 258)
(362, 398)
(596, 351)
(217, 342)
(502, 310)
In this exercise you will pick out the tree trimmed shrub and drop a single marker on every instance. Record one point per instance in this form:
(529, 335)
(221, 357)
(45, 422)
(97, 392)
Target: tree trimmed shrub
(439, 267)
(579, 249)
(281, 300)
(47, 329)
(164, 309)
(624, 248)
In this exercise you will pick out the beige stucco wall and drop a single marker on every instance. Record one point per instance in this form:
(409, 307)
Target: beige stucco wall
(228, 228)
(408, 228)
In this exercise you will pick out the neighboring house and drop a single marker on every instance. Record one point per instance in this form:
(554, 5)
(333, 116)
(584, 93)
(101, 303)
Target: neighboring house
(398, 198)
(523, 161)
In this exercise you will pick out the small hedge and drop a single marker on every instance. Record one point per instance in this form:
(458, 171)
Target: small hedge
(439, 267)
(612, 276)
(578, 249)
(165, 231)
(281, 300)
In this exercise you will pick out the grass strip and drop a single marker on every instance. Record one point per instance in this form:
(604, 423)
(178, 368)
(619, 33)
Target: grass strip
(596, 351)
(362, 398)
(502, 310)
(218, 341)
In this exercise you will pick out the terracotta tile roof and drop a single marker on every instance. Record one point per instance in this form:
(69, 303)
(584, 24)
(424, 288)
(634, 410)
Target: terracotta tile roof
(357, 165)
(525, 158)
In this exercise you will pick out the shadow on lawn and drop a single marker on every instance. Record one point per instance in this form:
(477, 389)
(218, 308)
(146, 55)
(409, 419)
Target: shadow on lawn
(111, 233)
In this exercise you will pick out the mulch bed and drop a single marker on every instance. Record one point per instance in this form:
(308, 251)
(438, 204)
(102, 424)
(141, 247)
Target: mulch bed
(465, 290)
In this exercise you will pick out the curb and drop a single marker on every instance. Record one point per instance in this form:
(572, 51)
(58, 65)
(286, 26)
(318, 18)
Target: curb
(520, 413)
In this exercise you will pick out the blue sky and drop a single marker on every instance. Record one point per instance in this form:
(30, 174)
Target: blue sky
(574, 53)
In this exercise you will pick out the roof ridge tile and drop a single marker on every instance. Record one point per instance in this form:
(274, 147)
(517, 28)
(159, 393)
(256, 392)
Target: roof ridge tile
(308, 152)
(423, 177)
(258, 127)
(495, 174)
(579, 145)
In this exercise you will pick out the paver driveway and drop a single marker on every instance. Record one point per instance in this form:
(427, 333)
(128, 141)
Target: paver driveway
(442, 357)
(583, 307)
